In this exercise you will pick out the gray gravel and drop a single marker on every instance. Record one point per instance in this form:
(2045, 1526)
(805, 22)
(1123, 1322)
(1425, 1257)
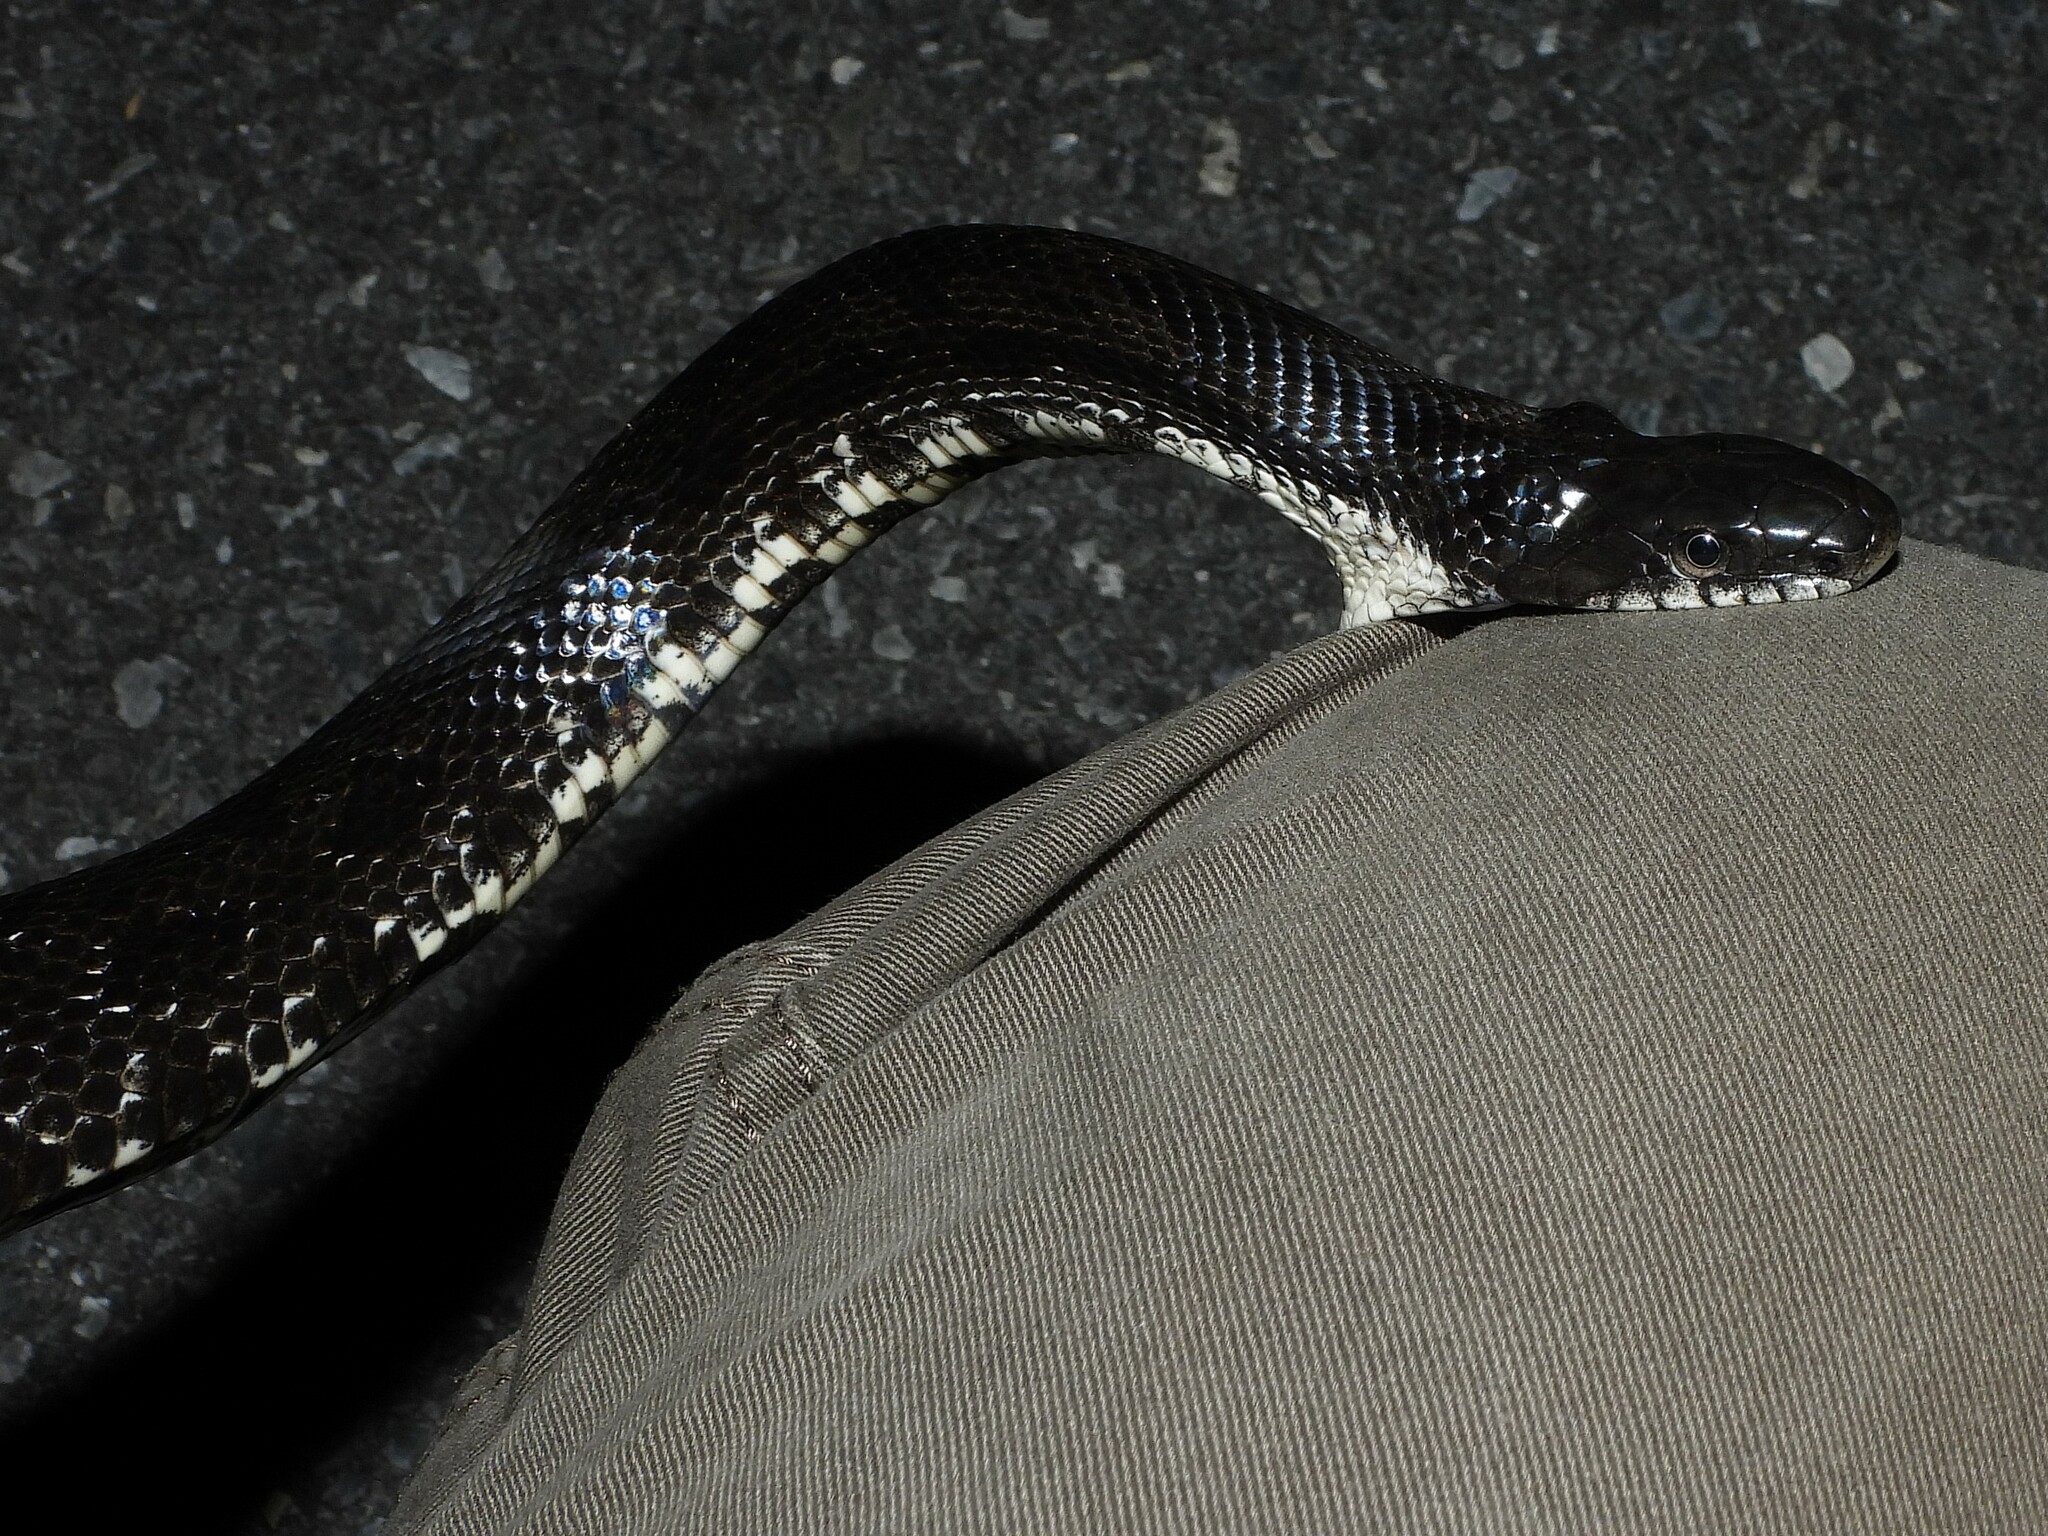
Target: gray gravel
(314, 307)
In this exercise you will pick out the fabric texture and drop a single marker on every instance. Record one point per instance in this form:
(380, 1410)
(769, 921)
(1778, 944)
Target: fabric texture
(1583, 1073)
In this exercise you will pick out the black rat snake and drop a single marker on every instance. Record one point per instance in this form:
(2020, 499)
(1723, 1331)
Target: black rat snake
(149, 1002)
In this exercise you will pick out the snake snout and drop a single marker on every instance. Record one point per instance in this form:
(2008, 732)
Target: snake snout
(1822, 521)
(1811, 520)
(1855, 537)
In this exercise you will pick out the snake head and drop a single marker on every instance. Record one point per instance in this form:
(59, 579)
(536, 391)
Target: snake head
(1627, 521)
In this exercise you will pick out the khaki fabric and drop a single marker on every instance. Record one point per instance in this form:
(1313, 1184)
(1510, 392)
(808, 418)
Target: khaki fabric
(1583, 1074)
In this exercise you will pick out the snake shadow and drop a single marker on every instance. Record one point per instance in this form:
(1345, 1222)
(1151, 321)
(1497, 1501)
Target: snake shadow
(326, 1334)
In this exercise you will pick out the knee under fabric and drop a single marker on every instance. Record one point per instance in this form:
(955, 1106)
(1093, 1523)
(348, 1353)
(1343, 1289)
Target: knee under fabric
(1587, 1072)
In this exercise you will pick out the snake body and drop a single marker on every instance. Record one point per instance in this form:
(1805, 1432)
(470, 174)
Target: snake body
(151, 1001)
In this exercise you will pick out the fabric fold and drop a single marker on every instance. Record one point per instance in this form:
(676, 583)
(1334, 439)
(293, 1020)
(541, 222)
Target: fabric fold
(1584, 1073)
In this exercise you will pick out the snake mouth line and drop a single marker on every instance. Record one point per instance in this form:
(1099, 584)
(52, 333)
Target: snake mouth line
(1646, 596)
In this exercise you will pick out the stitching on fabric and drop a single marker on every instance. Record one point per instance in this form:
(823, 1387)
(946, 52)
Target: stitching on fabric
(762, 980)
(729, 1095)
(729, 988)
(773, 1024)
(810, 1056)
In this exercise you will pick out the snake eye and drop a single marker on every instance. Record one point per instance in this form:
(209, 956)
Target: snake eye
(1703, 555)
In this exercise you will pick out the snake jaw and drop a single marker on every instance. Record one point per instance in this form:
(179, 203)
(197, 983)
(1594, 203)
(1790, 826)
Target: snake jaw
(1709, 521)
(1645, 596)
